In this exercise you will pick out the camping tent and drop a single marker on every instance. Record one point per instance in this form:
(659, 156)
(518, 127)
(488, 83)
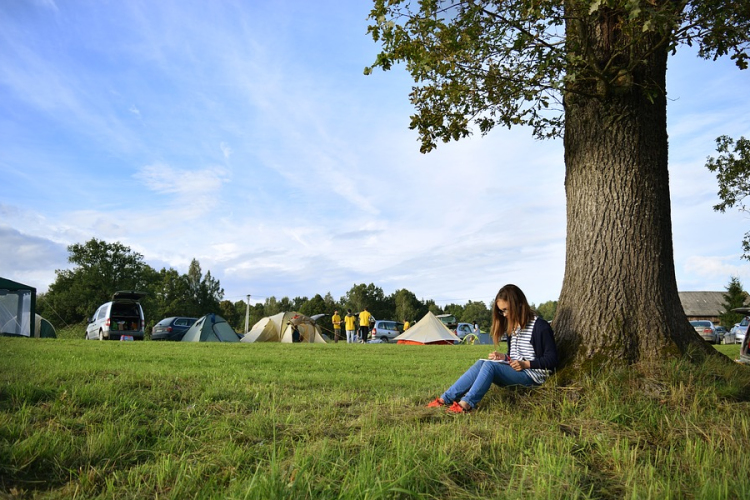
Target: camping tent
(211, 328)
(17, 308)
(44, 329)
(278, 328)
(428, 330)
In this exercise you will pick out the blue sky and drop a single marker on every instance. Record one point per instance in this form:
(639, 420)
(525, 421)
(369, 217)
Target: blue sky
(245, 135)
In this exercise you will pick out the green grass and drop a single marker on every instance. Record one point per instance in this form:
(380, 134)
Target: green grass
(71, 332)
(732, 351)
(88, 419)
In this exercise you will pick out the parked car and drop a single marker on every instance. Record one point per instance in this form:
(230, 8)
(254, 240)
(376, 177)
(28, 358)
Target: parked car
(740, 330)
(120, 319)
(725, 337)
(173, 328)
(706, 330)
(462, 329)
(386, 330)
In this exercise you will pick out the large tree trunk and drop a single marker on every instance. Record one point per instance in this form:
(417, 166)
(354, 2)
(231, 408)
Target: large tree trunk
(619, 301)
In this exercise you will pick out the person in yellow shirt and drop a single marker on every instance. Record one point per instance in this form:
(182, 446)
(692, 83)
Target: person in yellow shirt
(336, 320)
(350, 324)
(406, 324)
(364, 324)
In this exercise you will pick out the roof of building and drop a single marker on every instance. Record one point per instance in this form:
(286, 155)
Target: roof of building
(703, 303)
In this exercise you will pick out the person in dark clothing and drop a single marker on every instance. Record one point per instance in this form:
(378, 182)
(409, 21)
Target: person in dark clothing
(295, 333)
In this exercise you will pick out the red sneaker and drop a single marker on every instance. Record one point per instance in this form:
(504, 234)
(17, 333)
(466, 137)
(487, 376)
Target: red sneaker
(437, 403)
(457, 408)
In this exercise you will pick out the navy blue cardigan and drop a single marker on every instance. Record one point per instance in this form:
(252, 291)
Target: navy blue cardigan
(543, 342)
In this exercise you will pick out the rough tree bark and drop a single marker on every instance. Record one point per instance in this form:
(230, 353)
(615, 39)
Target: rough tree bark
(619, 300)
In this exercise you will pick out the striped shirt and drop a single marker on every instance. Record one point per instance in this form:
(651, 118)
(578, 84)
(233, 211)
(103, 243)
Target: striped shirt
(522, 350)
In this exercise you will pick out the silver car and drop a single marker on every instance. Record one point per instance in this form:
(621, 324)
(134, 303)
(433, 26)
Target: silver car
(463, 329)
(706, 330)
(740, 330)
(725, 337)
(386, 330)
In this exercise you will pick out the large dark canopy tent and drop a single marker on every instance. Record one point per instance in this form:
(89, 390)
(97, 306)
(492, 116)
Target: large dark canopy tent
(18, 316)
(17, 308)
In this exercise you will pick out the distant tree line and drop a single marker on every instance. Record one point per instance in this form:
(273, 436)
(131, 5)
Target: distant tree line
(102, 268)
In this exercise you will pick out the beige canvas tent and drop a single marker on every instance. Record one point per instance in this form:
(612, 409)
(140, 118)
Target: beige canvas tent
(428, 331)
(278, 328)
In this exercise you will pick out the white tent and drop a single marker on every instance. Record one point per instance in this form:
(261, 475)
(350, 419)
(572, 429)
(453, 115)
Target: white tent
(278, 328)
(428, 330)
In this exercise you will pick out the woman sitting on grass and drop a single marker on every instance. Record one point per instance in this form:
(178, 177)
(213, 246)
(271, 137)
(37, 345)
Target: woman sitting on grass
(532, 354)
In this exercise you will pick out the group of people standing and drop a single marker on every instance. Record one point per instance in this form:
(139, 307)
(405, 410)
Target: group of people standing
(357, 328)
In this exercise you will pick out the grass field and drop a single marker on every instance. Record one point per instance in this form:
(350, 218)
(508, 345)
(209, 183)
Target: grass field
(87, 419)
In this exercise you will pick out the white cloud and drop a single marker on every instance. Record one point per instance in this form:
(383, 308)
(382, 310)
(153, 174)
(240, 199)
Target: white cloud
(321, 184)
(716, 271)
(226, 150)
(30, 259)
(164, 179)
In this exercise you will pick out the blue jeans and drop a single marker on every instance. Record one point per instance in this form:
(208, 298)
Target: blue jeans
(476, 381)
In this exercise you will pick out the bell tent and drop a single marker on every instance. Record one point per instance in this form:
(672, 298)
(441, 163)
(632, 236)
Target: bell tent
(211, 328)
(280, 328)
(427, 331)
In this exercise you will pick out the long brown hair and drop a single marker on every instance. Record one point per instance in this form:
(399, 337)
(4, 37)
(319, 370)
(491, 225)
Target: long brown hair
(519, 312)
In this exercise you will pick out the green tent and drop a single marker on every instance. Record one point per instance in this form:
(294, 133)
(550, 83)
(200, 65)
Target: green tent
(44, 329)
(211, 328)
(17, 309)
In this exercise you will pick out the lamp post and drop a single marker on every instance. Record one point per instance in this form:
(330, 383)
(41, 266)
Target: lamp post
(247, 315)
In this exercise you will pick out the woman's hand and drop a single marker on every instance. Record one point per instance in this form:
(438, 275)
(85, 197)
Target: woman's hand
(519, 365)
(496, 356)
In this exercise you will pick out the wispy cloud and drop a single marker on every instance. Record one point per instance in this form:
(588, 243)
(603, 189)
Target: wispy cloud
(30, 259)
(703, 268)
(164, 179)
(317, 182)
(226, 150)
(47, 4)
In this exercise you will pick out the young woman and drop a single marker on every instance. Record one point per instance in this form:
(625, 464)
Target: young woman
(532, 354)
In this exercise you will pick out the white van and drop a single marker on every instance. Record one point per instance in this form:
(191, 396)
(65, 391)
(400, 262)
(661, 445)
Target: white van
(120, 319)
